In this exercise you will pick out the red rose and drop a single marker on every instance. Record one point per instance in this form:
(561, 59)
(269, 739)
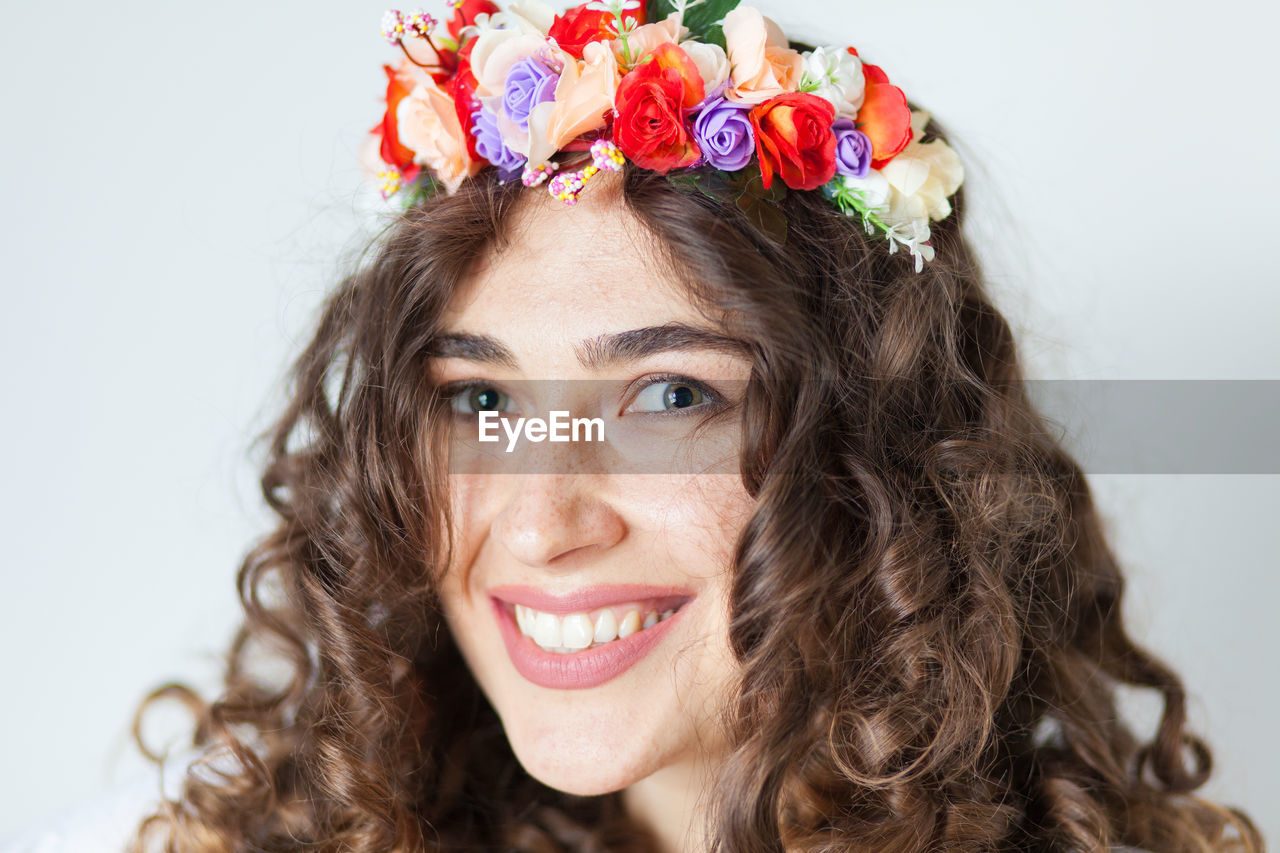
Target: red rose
(651, 101)
(884, 116)
(580, 26)
(462, 88)
(794, 139)
(464, 14)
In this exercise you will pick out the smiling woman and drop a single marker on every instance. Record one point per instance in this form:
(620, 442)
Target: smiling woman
(892, 623)
(593, 610)
(828, 584)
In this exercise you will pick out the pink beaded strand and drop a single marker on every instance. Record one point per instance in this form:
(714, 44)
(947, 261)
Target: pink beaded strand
(605, 156)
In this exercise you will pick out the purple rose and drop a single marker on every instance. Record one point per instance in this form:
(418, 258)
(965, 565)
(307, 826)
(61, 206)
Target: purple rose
(723, 132)
(529, 83)
(489, 144)
(853, 149)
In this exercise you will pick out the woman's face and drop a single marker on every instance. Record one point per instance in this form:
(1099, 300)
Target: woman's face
(585, 542)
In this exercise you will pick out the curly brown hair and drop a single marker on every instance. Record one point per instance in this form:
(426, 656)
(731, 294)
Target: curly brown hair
(924, 606)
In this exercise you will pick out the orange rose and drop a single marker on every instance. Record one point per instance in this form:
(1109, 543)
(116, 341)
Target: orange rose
(399, 84)
(794, 139)
(884, 116)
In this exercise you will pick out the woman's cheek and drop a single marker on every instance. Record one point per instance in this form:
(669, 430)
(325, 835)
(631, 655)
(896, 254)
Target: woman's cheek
(704, 514)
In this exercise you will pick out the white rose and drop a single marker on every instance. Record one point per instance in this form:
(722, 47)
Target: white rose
(874, 189)
(531, 16)
(712, 63)
(836, 75)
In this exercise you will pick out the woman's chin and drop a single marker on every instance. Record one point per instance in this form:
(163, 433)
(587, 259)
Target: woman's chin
(585, 767)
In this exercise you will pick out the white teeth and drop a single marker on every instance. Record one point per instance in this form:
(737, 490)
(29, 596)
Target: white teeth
(576, 631)
(546, 630)
(606, 627)
(629, 625)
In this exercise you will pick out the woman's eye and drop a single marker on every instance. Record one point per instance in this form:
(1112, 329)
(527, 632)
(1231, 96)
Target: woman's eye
(663, 395)
(671, 394)
(477, 397)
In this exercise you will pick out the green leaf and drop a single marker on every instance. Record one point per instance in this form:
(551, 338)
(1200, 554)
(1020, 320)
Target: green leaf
(715, 35)
(703, 20)
(657, 10)
(692, 182)
(745, 189)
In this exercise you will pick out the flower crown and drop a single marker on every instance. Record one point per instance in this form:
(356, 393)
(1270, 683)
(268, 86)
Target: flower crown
(708, 93)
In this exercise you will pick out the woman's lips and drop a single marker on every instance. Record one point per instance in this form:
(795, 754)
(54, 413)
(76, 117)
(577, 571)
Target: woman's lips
(581, 669)
(585, 599)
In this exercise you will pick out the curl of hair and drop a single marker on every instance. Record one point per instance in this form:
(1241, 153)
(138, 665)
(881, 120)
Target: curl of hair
(924, 606)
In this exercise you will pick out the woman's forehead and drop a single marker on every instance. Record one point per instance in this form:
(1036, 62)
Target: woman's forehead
(599, 231)
(573, 274)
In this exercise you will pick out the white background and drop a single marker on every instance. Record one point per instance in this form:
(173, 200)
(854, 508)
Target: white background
(180, 181)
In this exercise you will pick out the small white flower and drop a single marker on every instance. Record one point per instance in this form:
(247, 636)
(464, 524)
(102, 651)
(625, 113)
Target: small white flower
(479, 25)
(617, 7)
(836, 75)
(914, 236)
(392, 26)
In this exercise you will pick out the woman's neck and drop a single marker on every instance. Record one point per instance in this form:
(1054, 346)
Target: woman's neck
(671, 803)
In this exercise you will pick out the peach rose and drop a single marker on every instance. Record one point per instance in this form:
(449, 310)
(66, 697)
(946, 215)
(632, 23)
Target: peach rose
(428, 125)
(584, 97)
(762, 66)
(643, 39)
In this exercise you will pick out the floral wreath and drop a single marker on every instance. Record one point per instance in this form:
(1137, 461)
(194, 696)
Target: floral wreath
(706, 92)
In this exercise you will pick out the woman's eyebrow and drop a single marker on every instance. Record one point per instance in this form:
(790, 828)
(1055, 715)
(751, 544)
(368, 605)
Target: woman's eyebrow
(594, 353)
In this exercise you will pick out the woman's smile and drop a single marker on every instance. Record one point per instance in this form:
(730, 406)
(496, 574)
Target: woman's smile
(567, 646)
(588, 617)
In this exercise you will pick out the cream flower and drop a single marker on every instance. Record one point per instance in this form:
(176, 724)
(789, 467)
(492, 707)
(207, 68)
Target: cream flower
(761, 64)
(836, 75)
(428, 125)
(911, 190)
(923, 176)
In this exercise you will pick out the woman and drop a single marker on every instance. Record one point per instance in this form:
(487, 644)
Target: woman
(826, 584)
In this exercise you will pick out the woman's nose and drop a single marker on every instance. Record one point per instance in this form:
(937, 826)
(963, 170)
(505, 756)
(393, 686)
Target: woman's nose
(552, 516)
